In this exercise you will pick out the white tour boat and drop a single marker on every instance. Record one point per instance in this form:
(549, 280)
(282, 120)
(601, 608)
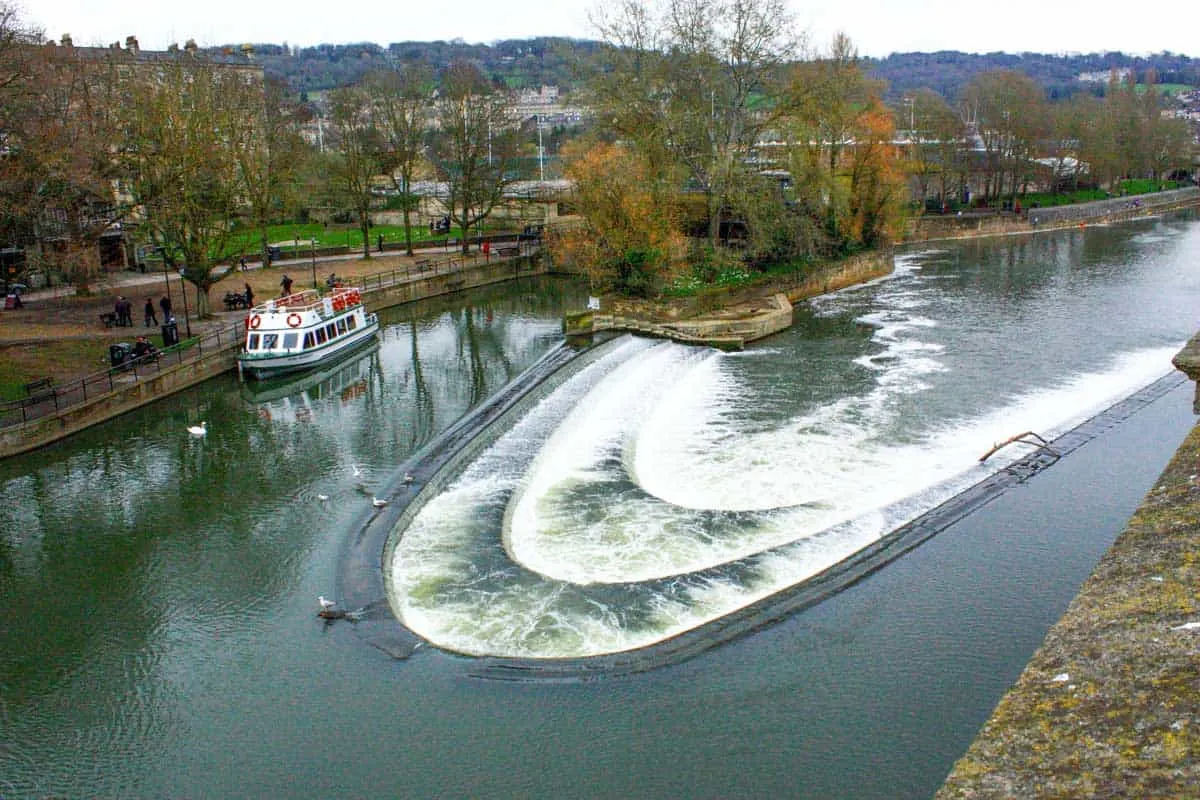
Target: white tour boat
(305, 330)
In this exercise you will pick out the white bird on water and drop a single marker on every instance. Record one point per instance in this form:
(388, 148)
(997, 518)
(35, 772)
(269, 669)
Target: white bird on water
(322, 497)
(375, 501)
(325, 604)
(198, 430)
(357, 471)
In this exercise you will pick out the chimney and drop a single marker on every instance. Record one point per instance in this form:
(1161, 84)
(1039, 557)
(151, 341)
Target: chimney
(131, 44)
(66, 40)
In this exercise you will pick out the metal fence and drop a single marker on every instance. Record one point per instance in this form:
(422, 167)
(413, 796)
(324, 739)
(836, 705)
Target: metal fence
(1116, 205)
(55, 398)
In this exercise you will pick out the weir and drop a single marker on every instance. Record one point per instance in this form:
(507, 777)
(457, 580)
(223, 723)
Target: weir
(364, 585)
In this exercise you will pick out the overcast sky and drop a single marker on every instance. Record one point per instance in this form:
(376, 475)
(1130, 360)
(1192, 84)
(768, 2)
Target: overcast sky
(877, 27)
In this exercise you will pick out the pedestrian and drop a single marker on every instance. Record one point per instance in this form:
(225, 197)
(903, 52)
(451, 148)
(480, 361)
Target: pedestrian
(487, 250)
(118, 311)
(151, 317)
(242, 261)
(381, 242)
(125, 312)
(165, 305)
(286, 283)
(249, 297)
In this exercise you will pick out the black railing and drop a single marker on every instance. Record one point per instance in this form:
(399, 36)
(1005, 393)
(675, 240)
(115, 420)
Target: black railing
(200, 348)
(60, 397)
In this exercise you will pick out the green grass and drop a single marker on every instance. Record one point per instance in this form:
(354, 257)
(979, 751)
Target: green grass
(1166, 88)
(287, 235)
(1130, 187)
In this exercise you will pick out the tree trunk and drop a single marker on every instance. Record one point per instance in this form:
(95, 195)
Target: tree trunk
(364, 225)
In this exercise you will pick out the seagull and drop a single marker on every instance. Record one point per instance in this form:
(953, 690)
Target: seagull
(198, 430)
(375, 501)
(325, 604)
(357, 471)
(408, 478)
(322, 497)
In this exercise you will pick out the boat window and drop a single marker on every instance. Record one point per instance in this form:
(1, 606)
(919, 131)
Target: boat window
(331, 329)
(341, 323)
(320, 333)
(351, 324)
(289, 341)
(308, 340)
(252, 344)
(270, 340)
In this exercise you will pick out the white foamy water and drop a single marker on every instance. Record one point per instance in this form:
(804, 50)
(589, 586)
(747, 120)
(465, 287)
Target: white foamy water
(637, 501)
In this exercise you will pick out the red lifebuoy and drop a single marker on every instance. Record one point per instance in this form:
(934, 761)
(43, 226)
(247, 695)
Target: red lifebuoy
(255, 321)
(352, 298)
(293, 320)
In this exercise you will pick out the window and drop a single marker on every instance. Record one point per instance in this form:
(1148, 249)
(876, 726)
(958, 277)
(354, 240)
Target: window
(350, 323)
(252, 344)
(341, 325)
(289, 341)
(309, 340)
(320, 335)
(331, 330)
(270, 340)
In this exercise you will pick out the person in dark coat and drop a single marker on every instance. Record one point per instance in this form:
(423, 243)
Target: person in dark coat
(165, 305)
(286, 283)
(151, 317)
(249, 297)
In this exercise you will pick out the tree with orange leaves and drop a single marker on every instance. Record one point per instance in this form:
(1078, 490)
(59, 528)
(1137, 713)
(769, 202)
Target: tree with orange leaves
(629, 240)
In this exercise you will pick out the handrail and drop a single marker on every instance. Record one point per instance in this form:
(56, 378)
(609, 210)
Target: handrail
(197, 349)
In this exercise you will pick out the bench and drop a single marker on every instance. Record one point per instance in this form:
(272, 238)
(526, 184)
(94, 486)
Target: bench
(424, 264)
(40, 389)
(508, 252)
(109, 319)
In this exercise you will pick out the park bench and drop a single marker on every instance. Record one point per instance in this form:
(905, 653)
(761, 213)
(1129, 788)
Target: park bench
(424, 264)
(40, 389)
(109, 319)
(508, 252)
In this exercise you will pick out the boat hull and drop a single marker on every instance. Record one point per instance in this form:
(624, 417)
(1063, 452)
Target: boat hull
(263, 367)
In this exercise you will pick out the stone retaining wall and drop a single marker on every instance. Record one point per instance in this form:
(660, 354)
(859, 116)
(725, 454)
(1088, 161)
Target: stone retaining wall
(935, 227)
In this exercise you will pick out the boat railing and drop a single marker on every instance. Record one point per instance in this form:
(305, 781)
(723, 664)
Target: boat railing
(309, 300)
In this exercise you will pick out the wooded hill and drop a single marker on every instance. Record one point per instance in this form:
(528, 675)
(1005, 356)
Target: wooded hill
(529, 63)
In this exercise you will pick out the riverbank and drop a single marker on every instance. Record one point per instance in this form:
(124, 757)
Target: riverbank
(1108, 706)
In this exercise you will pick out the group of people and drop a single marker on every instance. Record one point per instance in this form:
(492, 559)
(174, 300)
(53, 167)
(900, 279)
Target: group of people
(123, 309)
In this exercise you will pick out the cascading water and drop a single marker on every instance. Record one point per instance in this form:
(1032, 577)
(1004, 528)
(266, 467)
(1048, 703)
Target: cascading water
(663, 487)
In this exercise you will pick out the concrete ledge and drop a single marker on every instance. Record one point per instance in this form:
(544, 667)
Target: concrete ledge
(1109, 706)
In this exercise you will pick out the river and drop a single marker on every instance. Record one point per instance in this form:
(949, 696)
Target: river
(160, 638)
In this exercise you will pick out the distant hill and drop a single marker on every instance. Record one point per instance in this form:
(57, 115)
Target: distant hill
(948, 72)
(529, 63)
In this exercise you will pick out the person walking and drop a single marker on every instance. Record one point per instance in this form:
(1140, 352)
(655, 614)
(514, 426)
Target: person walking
(165, 305)
(286, 283)
(249, 297)
(151, 317)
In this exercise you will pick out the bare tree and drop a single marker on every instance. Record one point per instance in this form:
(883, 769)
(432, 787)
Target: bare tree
(184, 124)
(355, 161)
(474, 148)
(696, 81)
(401, 102)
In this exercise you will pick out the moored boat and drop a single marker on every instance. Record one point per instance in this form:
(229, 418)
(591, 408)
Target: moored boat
(305, 330)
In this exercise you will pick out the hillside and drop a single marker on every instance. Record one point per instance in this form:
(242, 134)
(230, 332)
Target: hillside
(529, 63)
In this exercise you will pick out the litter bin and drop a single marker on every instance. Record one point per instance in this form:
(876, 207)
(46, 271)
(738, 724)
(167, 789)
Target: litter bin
(170, 334)
(120, 355)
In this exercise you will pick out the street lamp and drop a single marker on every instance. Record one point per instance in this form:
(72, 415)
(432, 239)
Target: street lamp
(187, 323)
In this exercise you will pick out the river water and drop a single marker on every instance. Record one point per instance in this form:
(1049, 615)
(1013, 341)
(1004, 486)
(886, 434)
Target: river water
(159, 636)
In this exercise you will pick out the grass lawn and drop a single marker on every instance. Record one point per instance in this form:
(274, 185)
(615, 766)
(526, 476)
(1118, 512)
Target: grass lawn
(298, 236)
(64, 361)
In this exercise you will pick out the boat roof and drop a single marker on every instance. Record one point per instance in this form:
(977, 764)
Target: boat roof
(307, 300)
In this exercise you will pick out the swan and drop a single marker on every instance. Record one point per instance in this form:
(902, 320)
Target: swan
(375, 501)
(322, 497)
(198, 430)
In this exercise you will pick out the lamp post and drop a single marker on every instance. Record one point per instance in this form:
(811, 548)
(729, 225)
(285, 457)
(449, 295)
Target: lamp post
(187, 323)
(312, 249)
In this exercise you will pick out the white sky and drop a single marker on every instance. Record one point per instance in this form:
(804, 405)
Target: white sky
(877, 27)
